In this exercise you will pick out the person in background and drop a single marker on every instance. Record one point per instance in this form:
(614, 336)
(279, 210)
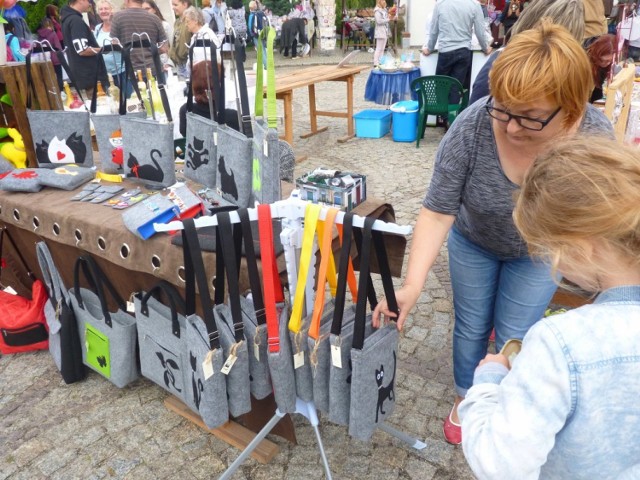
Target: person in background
(595, 23)
(102, 32)
(13, 42)
(568, 13)
(179, 50)
(200, 106)
(82, 46)
(545, 414)
(238, 19)
(510, 15)
(541, 84)
(293, 32)
(152, 7)
(601, 51)
(381, 32)
(194, 20)
(47, 32)
(257, 21)
(207, 11)
(51, 12)
(454, 21)
(219, 17)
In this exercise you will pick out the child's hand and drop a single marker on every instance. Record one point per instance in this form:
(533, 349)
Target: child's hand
(497, 358)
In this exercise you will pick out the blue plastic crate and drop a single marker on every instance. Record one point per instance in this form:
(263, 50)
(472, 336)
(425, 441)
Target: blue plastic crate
(372, 123)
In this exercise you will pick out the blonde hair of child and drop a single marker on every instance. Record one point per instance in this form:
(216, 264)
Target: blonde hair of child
(582, 190)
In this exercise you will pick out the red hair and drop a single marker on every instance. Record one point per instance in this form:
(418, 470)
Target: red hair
(601, 47)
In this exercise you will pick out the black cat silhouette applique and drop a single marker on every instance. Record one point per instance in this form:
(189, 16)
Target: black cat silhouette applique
(198, 155)
(149, 172)
(227, 180)
(387, 392)
(71, 150)
(196, 383)
(102, 361)
(169, 365)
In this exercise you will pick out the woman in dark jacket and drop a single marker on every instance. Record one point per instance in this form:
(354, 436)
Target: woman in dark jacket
(294, 31)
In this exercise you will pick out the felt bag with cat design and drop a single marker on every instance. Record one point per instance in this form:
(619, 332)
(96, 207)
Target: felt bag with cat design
(64, 338)
(59, 137)
(107, 126)
(21, 180)
(373, 357)
(206, 385)
(200, 162)
(162, 338)
(109, 339)
(277, 312)
(148, 150)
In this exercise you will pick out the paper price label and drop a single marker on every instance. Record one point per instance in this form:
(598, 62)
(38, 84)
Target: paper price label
(298, 360)
(131, 307)
(265, 148)
(207, 366)
(228, 364)
(336, 357)
(215, 138)
(256, 351)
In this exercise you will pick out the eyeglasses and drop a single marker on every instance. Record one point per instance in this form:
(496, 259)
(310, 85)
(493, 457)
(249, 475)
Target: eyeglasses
(525, 122)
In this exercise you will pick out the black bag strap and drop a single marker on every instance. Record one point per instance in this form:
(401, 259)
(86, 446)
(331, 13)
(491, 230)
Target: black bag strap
(252, 267)
(371, 292)
(97, 280)
(175, 302)
(228, 251)
(343, 269)
(194, 272)
(107, 48)
(239, 54)
(129, 76)
(50, 274)
(385, 272)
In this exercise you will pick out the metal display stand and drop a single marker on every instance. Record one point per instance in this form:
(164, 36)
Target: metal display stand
(292, 211)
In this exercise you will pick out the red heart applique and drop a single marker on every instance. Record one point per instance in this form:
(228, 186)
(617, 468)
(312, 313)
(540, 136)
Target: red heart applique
(60, 155)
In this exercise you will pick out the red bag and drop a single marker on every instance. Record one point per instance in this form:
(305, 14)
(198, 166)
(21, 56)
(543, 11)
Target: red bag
(22, 323)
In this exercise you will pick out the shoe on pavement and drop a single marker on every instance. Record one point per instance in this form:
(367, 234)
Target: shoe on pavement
(452, 431)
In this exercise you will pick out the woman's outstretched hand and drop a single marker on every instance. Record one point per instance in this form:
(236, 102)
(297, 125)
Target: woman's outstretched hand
(406, 298)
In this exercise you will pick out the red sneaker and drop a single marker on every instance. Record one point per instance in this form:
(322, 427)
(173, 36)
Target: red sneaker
(452, 431)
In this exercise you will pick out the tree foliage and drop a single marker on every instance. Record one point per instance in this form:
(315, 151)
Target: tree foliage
(36, 11)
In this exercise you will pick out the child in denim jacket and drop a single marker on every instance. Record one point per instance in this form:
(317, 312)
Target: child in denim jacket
(569, 408)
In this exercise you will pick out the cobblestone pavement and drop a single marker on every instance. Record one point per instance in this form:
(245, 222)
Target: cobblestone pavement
(93, 430)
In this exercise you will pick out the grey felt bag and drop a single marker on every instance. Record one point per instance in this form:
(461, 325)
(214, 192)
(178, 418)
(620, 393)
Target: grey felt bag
(108, 338)
(59, 137)
(21, 180)
(66, 177)
(373, 357)
(162, 338)
(277, 312)
(266, 144)
(64, 339)
(5, 165)
(230, 320)
(200, 156)
(206, 392)
(139, 218)
(254, 318)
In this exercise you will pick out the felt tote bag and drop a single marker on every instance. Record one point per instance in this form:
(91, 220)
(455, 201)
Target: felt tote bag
(279, 355)
(108, 338)
(234, 149)
(59, 137)
(200, 162)
(162, 338)
(230, 322)
(254, 317)
(22, 323)
(149, 154)
(206, 386)
(266, 144)
(64, 338)
(373, 357)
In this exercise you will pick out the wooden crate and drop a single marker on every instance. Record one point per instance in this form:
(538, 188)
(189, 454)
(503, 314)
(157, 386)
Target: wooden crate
(45, 96)
(618, 102)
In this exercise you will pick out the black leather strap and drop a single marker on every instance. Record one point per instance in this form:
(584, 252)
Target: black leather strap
(175, 302)
(229, 254)
(343, 269)
(363, 284)
(252, 267)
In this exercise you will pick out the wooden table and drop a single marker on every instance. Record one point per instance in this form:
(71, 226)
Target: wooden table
(309, 77)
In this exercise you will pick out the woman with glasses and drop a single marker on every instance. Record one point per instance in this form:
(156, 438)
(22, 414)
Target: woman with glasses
(541, 84)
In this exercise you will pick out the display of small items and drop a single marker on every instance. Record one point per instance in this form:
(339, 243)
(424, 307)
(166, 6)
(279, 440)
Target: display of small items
(343, 190)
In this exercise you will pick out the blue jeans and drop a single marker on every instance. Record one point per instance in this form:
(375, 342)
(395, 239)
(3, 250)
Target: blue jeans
(456, 64)
(488, 292)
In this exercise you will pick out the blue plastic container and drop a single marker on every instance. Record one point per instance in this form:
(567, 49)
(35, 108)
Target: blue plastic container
(405, 121)
(372, 123)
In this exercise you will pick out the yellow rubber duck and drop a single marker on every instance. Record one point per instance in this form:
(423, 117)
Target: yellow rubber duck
(14, 151)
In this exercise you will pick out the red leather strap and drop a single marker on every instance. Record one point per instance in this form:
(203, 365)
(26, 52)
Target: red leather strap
(272, 288)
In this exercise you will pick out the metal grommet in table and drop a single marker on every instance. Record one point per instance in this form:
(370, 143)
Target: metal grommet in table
(102, 243)
(56, 229)
(16, 214)
(125, 251)
(155, 263)
(78, 235)
(180, 272)
(36, 223)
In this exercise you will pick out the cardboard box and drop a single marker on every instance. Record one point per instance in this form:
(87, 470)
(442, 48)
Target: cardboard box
(343, 190)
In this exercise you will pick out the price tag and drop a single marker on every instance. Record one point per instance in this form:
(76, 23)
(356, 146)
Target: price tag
(207, 365)
(336, 357)
(256, 351)
(265, 148)
(298, 360)
(131, 307)
(226, 368)
(10, 291)
(215, 138)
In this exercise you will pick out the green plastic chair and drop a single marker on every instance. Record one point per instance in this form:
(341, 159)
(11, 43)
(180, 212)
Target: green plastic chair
(433, 99)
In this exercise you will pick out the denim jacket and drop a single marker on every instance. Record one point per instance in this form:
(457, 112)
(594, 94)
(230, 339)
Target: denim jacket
(569, 408)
